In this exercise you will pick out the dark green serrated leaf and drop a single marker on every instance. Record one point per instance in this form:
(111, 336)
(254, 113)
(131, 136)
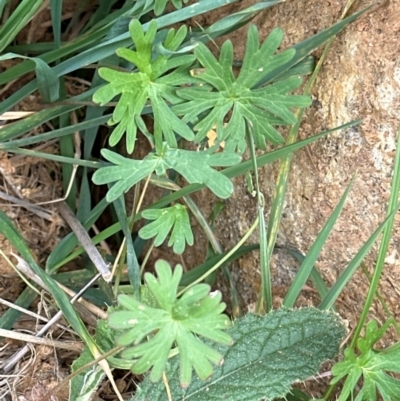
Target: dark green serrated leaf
(269, 353)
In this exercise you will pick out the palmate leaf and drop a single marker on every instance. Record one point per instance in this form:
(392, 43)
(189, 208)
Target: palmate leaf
(195, 167)
(262, 107)
(176, 218)
(177, 320)
(371, 366)
(150, 83)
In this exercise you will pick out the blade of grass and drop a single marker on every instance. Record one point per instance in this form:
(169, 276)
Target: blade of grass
(283, 175)
(56, 13)
(11, 233)
(384, 245)
(383, 303)
(21, 127)
(264, 300)
(47, 80)
(48, 156)
(100, 51)
(131, 258)
(58, 133)
(347, 274)
(229, 172)
(18, 19)
(305, 269)
(315, 275)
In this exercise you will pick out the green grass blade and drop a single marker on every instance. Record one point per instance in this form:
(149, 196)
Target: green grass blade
(48, 156)
(315, 275)
(18, 19)
(56, 13)
(305, 269)
(347, 274)
(131, 258)
(193, 274)
(21, 127)
(24, 300)
(105, 49)
(234, 21)
(264, 301)
(58, 133)
(380, 262)
(47, 80)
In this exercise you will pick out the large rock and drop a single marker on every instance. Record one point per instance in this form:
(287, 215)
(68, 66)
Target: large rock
(360, 79)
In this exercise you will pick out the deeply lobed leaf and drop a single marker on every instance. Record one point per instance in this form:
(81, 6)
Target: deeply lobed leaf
(138, 88)
(195, 167)
(209, 105)
(177, 320)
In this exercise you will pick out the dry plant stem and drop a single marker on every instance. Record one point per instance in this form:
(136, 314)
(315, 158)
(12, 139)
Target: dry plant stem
(21, 353)
(167, 389)
(55, 389)
(24, 268)
(28, 206)
(71, 346)
(146, 258)
(85, 241)
(30, 313)
(77, 155)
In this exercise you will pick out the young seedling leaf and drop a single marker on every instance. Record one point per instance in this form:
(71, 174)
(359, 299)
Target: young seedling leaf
(151, 331)
(175, 218)
(268, 354)
(371, 366)
(221, 93)
(138, 88)
(195, 167)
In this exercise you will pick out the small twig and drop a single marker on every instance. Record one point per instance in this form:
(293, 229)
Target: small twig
(24, 268)
(21, 353)
(166, 384)
(71, 346)
(28, 206)
(85, 240)
(67, 379)
(30, 313)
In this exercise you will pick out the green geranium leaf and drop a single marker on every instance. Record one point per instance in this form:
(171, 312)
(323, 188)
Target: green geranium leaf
(152, 332)
(371, 366)
(150, 83)
(176, 218)
(261, 107)
(195, 167)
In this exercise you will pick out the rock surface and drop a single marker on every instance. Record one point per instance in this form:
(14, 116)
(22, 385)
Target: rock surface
(359, 80)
